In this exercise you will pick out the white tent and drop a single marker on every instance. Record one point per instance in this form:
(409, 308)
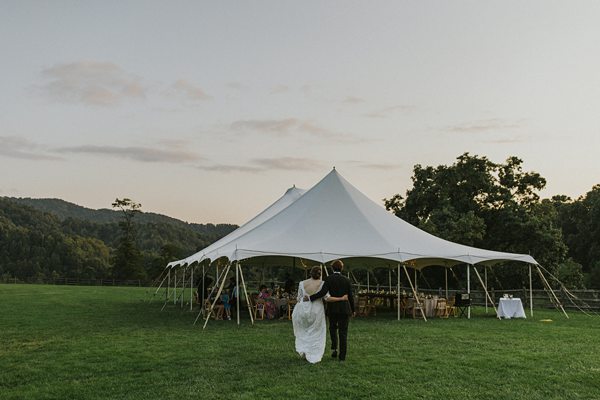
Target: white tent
(335, 220)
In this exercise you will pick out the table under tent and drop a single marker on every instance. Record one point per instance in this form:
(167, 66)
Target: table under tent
(334, 220)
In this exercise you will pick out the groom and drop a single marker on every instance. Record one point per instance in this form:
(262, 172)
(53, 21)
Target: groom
(338, 312)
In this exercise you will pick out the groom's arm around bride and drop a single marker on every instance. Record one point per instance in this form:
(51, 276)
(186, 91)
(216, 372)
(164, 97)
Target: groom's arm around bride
(339, 313)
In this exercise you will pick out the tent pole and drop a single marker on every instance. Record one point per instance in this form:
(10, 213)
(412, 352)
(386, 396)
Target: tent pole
(183, 286)
(486, 291)
(552, 291)
(212, 306)
(203, 285)
(175, 288)
(414, 290)
(192, 290)
(168, 286)
(325, 268)
(161, 283)
(237, 291)
(485, 277)
(246, 294)
(446, 278)
(368, 283)
(398, 290)
(416, 282)
(469, 290)
(530, 293)
(390, 278)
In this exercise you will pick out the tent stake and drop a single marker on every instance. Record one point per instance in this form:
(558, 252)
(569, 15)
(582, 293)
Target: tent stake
(212, 306)
(246, 294)
(552, 291)
(487, 295)
(415, 293)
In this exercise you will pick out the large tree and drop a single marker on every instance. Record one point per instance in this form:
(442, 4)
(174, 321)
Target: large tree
(580, 222)
(490, 205)
(127, 260)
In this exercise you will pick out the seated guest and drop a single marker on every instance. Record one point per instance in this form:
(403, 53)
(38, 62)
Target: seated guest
(269, 305)
(226, 305)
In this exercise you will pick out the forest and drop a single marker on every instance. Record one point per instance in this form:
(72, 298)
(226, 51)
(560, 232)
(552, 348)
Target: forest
(473, 201)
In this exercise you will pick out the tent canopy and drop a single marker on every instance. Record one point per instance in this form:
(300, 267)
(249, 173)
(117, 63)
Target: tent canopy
(334, 220)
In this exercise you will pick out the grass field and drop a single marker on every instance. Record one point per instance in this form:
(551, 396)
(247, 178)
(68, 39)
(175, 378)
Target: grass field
(60, 342)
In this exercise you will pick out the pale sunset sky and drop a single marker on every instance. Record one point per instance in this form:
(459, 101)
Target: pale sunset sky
(209, 111)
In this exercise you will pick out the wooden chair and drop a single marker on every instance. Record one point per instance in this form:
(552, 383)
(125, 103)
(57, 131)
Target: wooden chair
(290, 308)
(260, 309)
(366, 307)
(371, 306)
(206, 310)
(362, 306)
(450, 308)
(440, 308)
(417, 309)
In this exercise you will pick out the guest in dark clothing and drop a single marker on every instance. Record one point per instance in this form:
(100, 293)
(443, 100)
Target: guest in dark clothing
(207, 282)
(339, 313)
(289, 284)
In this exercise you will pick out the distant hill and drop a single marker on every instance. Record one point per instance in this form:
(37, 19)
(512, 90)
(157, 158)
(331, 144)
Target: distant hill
(45, 238)
(64, 209)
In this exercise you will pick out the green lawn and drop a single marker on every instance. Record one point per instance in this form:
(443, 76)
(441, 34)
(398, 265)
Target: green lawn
(60, 342)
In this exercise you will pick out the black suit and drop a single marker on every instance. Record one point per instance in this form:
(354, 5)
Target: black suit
(338, 312)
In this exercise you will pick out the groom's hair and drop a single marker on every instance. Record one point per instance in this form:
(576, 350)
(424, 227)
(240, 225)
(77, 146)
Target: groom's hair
(337, 265)
(315, 272)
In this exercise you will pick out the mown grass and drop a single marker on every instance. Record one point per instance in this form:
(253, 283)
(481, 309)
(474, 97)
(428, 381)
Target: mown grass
(60, 342)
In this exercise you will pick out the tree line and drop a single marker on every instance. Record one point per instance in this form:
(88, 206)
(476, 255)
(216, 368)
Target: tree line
(473, 201)
(43, 245)
(496, 206)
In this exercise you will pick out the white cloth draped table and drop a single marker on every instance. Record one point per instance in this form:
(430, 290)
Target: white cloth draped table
(510, 308)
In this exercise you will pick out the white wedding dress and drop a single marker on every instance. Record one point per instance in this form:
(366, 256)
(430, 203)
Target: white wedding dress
(308, 319)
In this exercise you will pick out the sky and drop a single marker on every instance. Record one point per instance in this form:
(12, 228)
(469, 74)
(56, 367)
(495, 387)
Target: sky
(209, 111)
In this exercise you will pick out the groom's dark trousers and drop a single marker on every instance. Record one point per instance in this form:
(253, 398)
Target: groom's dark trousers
(338, 312)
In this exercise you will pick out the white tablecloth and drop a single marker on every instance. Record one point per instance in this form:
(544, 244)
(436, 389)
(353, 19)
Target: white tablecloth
(510, 308)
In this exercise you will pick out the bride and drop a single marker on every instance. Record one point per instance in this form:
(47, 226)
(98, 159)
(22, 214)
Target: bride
(308, 319)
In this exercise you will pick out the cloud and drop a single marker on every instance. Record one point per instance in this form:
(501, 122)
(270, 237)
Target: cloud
(279, 89)
(17, 147)
(292, 126)
(353, 100)
(375, 166)
(288, 163)
(481, 126)
(278, 127)
(189, 91)
(386, 112)
(267, 164)
(236, 86)
(505, 140)
(144, 154)
(92, 83)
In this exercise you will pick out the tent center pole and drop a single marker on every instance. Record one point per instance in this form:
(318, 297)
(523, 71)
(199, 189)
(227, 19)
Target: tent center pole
(237, 291)
(530, 293)
(469, 290)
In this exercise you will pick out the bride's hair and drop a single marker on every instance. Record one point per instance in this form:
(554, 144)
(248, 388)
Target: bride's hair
(315, 272)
